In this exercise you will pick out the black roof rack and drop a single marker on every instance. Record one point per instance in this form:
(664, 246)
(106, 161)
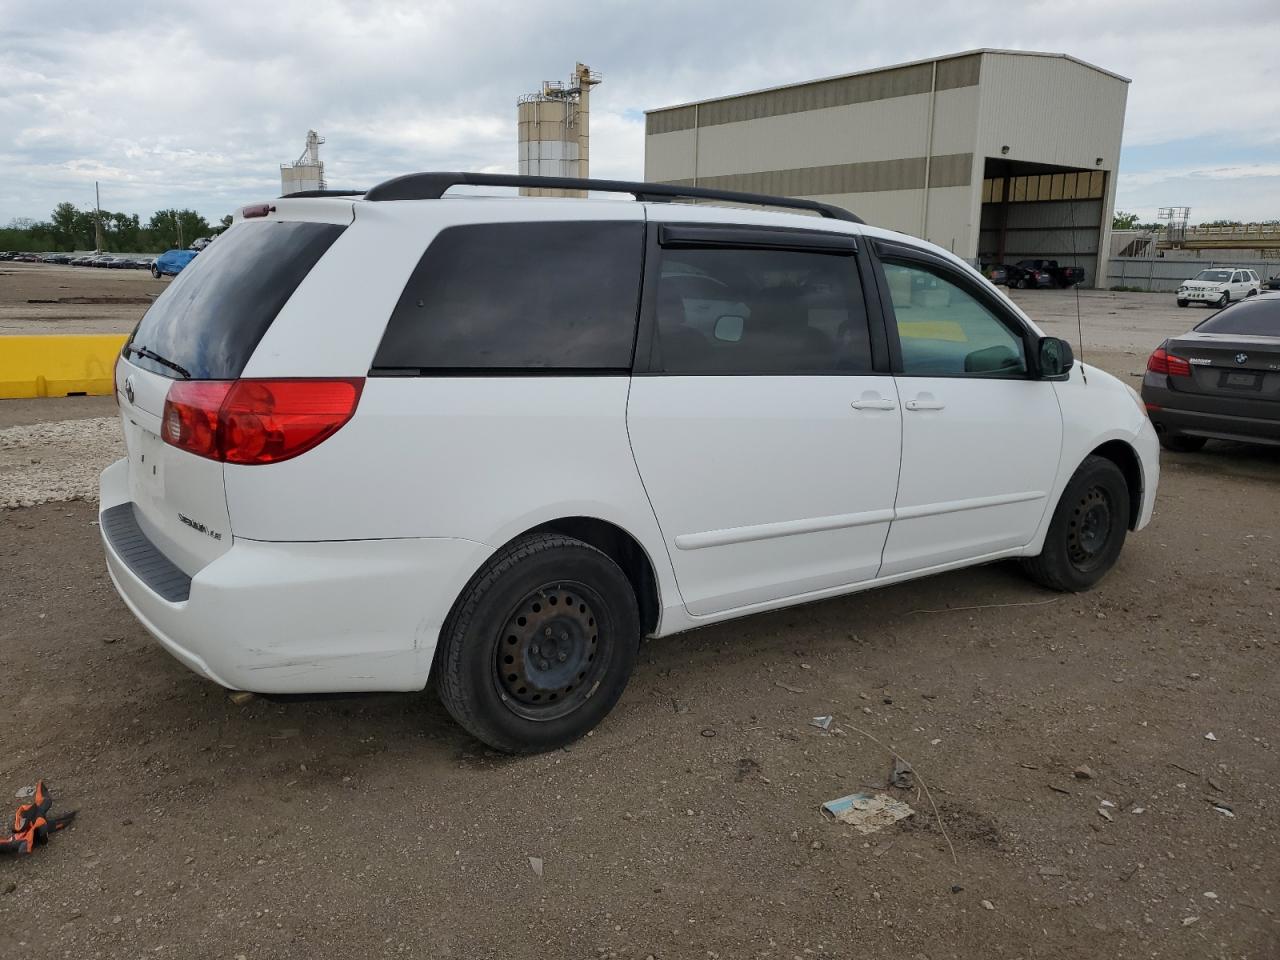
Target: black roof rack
(321, 193)
(432, 186)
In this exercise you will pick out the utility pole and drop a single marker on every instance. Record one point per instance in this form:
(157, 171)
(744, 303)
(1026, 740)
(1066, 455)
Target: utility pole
(178, 220)
(97, 218)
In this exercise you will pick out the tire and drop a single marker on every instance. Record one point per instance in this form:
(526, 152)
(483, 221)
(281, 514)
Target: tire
(155, 271)
(1182, 303)
(1087, 530)
(1181, 443)
(1224, 299)
(1021, 283)
(495, 675)
(1252, 293)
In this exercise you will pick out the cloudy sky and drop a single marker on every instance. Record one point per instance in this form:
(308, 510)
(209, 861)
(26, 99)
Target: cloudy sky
(197, 104)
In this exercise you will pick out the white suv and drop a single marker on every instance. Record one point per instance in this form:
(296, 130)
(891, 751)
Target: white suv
(496, 441)
(1219, 286)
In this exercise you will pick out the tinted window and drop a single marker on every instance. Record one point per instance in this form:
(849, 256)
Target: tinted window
(1214, 276)
(549, 296)
(944, 331)
(1255, 317)
(213, 314)
(760, 311)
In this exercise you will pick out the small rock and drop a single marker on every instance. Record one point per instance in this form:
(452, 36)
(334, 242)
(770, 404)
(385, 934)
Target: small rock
(708, 732)
(535, 864)
(988, 905)
(1214, 783)
(25, 793)
(816, 845)
(110, 639)
(1210, 736)
(126, 822)
(1105, 814)
(10, 887)
(1188, 921)
(1210, 895)
(1051, 872)
(1083, 772)
(240, 697)
(795, 836)
(188, 860)
(956, 888)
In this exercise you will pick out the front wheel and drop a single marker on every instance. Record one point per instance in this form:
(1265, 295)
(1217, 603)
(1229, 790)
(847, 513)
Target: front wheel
(1021, 283)
(155, 272)
(1087, 530)
(540, 645)
(1183, 303)
(1224, 300)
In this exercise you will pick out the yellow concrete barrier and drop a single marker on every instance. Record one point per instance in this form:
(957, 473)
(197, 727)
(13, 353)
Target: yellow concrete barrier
(56, 365)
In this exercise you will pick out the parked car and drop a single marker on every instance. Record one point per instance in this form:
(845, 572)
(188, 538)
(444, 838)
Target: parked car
(84, 261)
(1274, 283)
(498, 441)
(1022, 277)
(27, 258)
(997, 273)
(6, 255)
(171, 262)
(1219, 380)
(1059, 276)
(1218, 286)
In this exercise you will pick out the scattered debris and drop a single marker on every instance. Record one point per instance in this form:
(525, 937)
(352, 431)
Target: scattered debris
(867, 813)
(1105, 814)
(787, 687)
(1178, 766)
(1214, 783)
(1028, 766)
(934, 743)
(822, 723)
(25, 793)
(1083, 772)
(1225, 810)
(1210, 736)
(1210, 895)
(1051, 872)
(987, 905)
(1107, 803)
(536, 864)
(239, 697)
(1136, 810)
(1057, 789)
(956, 888)
(1188, 921)
(708, 732)
(902, 776)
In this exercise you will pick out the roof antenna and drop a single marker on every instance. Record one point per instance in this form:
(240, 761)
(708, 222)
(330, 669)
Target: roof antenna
(1071, 211)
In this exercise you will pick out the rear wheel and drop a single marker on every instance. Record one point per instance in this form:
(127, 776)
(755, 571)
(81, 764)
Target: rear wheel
(1181, 443)
(1087, 530)
(540, 645)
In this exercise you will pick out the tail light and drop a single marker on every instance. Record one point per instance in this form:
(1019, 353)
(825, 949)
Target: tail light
(1164, 362)
(256, 421)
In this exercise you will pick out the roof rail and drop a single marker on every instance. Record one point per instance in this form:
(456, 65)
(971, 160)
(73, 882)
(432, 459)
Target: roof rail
(321, 193)
(432, 186)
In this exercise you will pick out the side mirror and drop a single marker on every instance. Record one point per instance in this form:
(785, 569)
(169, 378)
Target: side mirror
(729, 328)
(1054, 358)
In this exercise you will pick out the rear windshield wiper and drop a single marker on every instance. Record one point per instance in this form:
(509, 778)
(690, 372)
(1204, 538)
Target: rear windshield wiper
(163, 361)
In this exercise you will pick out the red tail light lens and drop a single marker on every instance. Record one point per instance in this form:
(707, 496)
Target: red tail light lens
(256, 421)
(1164, 362)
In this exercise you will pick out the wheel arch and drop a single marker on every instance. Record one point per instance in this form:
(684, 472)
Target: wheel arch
(1124, 456)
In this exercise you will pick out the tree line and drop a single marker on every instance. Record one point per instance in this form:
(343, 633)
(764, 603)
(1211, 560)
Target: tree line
(1131, 221)
(70, 228)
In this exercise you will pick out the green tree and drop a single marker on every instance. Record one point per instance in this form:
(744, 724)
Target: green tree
(176, 229)
(1124, 221)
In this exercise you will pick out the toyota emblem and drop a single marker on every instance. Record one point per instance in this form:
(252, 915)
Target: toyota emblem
(128, 387)
(1242, 357)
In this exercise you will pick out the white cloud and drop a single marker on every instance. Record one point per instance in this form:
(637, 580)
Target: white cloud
(198, 105)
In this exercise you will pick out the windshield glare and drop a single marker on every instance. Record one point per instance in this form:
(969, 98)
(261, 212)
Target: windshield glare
(1215, 276)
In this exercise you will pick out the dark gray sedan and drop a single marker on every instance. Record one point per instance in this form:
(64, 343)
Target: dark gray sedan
(1219, 380)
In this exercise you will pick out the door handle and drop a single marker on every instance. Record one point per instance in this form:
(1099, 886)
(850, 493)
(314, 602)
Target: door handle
(873, 403)
(924, 405)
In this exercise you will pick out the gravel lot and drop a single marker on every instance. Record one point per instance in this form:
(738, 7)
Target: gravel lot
(688, 825)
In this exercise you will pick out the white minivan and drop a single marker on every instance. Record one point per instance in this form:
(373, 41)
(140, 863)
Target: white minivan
(382, 438)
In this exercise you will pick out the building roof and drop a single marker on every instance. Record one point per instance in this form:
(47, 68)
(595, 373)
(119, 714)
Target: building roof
(896, 66)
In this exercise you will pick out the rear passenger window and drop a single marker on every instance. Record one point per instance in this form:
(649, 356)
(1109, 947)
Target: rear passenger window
(520, 296)
(945, 332)
(760, 312)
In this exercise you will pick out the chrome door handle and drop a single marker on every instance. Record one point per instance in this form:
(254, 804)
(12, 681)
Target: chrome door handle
(877, 403)
(924, 405)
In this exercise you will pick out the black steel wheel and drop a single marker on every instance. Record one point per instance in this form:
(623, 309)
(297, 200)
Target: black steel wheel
(1224, 299)
(540, 645)
(1087, 530)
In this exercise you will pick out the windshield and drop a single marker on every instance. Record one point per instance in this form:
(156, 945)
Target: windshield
(1214, 276)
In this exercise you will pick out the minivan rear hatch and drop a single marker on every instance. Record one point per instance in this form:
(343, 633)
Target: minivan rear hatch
(205, 327)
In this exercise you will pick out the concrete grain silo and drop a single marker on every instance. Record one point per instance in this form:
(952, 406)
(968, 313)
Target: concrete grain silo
(553, 130)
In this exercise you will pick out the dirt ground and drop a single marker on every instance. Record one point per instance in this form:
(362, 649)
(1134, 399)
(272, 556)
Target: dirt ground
(689, 824)
(49, 298)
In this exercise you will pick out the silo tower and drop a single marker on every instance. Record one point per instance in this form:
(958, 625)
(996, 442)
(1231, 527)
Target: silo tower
(553, 130)
(307, 172)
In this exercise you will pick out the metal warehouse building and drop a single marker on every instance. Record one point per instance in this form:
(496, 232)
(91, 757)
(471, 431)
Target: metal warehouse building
(997, 155)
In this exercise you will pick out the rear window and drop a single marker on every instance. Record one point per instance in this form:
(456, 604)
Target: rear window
(1255, 317)
(213, 314)
(520, 296)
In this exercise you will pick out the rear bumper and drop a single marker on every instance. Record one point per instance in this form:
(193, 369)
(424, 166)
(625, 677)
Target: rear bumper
(1174, 416)
(321, 617)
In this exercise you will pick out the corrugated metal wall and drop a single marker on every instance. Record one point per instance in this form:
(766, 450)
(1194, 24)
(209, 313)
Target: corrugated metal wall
(1159, 275)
